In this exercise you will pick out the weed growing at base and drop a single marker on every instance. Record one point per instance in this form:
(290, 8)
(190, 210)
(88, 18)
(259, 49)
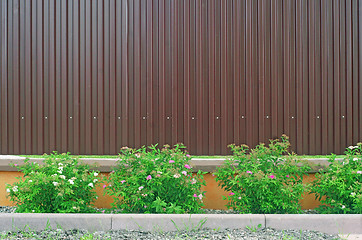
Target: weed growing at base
(339, 186)
(60, 185)
(261, 180)
(155, 180)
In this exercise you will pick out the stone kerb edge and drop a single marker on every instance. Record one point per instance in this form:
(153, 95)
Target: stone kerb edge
(327, 223)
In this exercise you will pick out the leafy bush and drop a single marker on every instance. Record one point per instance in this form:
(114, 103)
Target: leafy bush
(59, 185)
(262, 180)
(339, 186)
(155, 181)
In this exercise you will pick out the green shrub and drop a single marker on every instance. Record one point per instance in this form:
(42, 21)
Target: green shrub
(60, 185)
(155, 181)
(339, 186)
(262, 180)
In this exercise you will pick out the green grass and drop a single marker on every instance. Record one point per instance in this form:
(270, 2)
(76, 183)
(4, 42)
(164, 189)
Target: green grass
(194, 156)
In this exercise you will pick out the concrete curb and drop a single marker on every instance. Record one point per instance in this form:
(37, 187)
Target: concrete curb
(106, 164)
(331, 224)
(41, 221)
(328, 223)
(171, 222)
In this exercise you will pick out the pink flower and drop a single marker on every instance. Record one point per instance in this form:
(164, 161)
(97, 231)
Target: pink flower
(272, 176)
(15, 164)
(184, 173)
(230, 194)
(149, 177)
(103, 211)
(171, 161)
(250, 172)
(187, 166)
(104, 186)
(158, 175)
(195, 195)
(287, 176)
(123, 181)
(188, 155)
(359, 172)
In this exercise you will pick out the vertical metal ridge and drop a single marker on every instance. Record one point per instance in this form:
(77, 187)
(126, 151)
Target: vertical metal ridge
(261, 70)
(28, 106)
(87, 81)
(124, 59)
(355, 69)
(16, 76)
(311, 79)
(47, 74)
(199, 76)
(174, 73)
(76, 91)
(292, 105)
(106, 75)
(269, 119)
(84, 130)
(286, 73)
(224, 63)
(161, 45)
(336, 77)
(70, 79)
(330, 76)
(211, 66)
(150, 103)
(349, 85)
(187, 113)
(63, 78)
(4, 76)
(113, 84)
(305, 69)
(249, 107)
(100, 76)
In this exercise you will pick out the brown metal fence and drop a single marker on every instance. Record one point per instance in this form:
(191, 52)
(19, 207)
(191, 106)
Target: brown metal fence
(90, 76)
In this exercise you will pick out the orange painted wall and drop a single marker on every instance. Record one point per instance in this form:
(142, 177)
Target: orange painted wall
(213, 196)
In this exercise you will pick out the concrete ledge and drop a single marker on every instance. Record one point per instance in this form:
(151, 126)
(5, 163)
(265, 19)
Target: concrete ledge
(172, 222)
(41, 221)
(331, 224)
(328, 223)
(106, 164)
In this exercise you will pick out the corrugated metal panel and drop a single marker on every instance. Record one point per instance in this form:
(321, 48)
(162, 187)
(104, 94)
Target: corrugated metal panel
(91, 76)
